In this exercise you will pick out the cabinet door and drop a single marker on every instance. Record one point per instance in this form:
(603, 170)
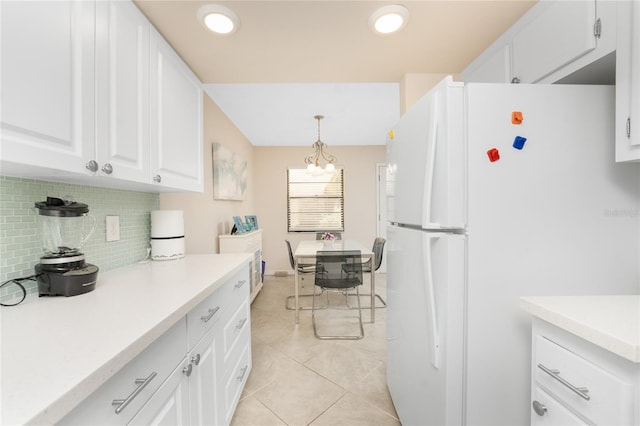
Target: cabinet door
(550, 412)
(496, 68)
(628, 82)
(122, 77)
(170, 404)
(203, 382)
(176, 120)
(559, 35)
(47, 80)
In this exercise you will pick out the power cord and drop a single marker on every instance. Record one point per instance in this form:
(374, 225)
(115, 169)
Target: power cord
(17, 282)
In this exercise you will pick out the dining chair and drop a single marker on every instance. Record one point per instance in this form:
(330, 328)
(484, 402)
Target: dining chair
(378, 251)
(330, 276)
(303, 269)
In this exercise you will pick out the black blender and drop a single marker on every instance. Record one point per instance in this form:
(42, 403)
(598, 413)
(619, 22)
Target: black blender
(62, 271)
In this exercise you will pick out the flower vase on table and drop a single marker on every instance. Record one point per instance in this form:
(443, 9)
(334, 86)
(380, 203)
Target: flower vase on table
(328, 239)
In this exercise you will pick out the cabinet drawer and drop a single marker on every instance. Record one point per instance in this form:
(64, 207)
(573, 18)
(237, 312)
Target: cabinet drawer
(145, 374)
(237, 290)
(234, 328)
(551, 412)
(607, 399)
(235, 379)
(203, 317)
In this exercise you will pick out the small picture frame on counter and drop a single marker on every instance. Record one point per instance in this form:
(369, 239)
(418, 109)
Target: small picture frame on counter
(252, 222)
(238, 225)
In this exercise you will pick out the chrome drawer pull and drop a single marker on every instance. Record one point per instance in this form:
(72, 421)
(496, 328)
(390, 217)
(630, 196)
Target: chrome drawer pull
(582, 392)
(212, 312)
(240, 283)
(241, 323)
(539, 408)
(244, 371)
(122, 403)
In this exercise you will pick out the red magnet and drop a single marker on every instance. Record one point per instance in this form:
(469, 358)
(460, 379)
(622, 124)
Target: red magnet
(516, 117)
(493, 154)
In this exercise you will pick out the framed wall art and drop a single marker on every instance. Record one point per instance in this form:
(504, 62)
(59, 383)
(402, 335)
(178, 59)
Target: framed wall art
(229, 174)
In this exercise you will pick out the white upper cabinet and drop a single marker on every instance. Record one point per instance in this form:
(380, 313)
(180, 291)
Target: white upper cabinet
(560, 35)
(47, 97)
(628, 82)
(92, 94)
(122, 76)
(553, 40)
(176, 119)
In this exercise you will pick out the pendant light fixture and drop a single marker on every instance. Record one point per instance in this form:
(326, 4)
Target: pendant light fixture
(313, 161)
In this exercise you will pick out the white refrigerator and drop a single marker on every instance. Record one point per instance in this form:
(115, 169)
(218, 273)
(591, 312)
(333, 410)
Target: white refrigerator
(497, 192)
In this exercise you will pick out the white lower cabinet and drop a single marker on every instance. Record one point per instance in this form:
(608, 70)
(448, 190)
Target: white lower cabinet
(203, 394)
(549, 412)
(170, 404)
(123, 395)
(576, 382)
(193, 374)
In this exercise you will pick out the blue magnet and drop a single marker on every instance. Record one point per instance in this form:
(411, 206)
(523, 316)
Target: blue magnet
(518, 142)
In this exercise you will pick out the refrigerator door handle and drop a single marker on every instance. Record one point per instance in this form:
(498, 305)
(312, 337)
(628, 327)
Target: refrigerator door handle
(432, 143)
(434, 348)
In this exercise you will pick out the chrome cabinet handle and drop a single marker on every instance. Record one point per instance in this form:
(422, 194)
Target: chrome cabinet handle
(241, 323)
(196, 359)
(188, 369)
(244, 371)
(107, 168)
(628, 127)
(240, 283)
(539, 408)
(92, 166)
(157, 178)
(122, 403)
(580, 391)
(212, 312)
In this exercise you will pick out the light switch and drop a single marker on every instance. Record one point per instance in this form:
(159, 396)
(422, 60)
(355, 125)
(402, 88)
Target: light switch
(113, 228)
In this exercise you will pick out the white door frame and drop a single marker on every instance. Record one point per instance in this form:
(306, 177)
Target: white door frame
(381, 208)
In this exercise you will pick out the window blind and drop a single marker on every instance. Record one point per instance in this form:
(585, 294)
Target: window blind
(315, 203)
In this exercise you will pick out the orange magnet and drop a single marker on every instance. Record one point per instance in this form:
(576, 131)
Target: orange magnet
(516, 117)
(493, 154)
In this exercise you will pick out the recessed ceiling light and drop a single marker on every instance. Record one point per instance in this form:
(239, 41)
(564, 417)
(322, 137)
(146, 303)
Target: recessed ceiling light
(219, 19)
(389, 19)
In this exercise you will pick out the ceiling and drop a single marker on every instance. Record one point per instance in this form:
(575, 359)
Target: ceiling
(291, 60)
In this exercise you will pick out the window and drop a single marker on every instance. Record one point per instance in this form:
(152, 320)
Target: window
(315, 203)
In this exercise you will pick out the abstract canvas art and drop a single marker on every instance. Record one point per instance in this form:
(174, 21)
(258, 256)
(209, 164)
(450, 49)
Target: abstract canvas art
(229, 174)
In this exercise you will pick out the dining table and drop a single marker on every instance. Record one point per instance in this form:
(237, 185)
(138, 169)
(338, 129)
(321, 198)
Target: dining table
(306, 253)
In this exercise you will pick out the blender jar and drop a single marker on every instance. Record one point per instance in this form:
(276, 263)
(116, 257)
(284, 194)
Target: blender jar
(65, 226)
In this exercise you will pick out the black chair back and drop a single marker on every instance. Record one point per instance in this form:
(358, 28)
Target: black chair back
(291, 261)
(378, 248)
(329, 269)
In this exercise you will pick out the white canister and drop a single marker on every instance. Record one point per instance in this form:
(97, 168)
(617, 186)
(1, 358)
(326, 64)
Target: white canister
(167, 234)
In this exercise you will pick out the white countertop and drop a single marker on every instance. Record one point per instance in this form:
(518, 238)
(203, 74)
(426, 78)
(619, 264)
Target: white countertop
(57, 350)
(611, 322)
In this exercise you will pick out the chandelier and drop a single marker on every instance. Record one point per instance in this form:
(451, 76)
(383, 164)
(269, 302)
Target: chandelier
(313, 161)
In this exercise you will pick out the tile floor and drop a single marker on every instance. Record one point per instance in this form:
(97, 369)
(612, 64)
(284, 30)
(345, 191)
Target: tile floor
(298, 379)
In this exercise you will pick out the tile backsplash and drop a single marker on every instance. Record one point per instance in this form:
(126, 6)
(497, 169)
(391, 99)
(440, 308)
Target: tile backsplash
(21, 242)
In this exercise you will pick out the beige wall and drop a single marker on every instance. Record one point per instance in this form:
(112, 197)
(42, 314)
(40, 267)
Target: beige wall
(414, 86)
(204, 217)
(270, 173)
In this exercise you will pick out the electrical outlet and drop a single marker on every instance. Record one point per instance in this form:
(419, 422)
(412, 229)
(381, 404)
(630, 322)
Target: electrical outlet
(113, 228)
